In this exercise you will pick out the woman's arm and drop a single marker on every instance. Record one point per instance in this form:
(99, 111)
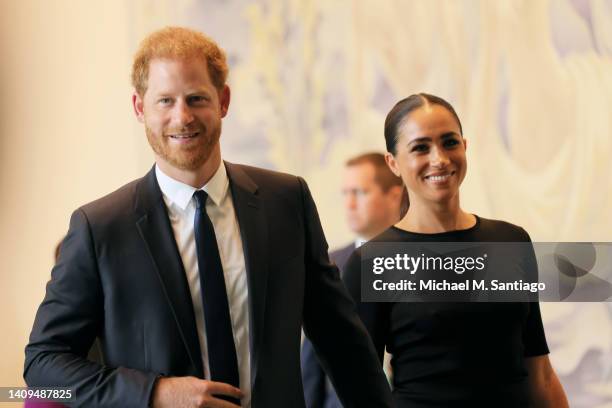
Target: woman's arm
(544, 387)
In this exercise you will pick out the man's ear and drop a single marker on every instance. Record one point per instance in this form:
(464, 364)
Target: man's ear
(392, 163)
(396, 192)
(224, 100)
(137, 104)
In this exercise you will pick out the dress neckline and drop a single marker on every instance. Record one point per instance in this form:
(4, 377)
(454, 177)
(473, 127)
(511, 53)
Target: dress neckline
(474, 227)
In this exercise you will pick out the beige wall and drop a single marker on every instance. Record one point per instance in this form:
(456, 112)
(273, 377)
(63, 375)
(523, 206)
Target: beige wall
(67, 136)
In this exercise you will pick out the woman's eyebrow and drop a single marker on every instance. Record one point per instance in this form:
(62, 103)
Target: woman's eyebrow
(420, 139)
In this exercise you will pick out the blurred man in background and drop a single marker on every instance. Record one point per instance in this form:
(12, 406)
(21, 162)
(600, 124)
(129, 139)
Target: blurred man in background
(374, 199)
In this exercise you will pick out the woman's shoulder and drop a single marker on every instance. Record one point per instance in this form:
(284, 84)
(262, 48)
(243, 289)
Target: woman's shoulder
(501, 231)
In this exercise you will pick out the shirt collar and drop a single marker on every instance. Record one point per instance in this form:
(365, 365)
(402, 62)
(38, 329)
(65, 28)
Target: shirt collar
(180, 194)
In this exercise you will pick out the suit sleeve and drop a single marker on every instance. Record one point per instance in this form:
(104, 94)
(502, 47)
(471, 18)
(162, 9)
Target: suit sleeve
(66, 325)
(374, 315)
(331, 322)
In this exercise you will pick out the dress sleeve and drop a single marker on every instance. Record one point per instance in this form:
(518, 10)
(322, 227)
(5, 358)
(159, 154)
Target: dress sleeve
(374, 315)
(534, 339)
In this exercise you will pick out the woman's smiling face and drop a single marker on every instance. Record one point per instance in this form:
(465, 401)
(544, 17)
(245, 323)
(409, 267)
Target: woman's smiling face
(430, 154)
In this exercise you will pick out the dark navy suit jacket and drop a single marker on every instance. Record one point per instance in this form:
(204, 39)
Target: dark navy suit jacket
(120, 278)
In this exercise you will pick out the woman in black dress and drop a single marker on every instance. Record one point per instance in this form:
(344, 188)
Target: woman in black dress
(451, 354)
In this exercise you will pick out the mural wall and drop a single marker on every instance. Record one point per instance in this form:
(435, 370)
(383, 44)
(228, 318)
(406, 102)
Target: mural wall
(313, 80)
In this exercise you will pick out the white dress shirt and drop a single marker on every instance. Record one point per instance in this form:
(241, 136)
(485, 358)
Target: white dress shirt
(220, 208)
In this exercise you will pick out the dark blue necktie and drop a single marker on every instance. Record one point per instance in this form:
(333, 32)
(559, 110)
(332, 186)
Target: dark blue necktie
(221, 348)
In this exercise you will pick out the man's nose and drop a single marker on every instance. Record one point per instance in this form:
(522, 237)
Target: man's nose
(350, 201)
(182, 114)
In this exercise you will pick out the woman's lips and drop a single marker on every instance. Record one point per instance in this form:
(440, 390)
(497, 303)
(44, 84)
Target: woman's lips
(439, 178)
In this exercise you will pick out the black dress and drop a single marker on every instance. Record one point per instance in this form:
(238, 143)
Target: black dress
(454, 354)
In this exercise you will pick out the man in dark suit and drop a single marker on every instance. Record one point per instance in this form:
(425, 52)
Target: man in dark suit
(373, 197)
(197, 277)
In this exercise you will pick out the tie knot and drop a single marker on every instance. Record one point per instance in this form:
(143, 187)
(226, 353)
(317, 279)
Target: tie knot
(200, 197)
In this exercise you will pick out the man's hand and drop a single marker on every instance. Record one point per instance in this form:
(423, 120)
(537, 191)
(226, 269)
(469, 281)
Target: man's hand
(192, 392)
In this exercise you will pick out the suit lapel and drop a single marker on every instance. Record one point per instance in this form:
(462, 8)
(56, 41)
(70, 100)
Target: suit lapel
(155, 229)
(251, 216)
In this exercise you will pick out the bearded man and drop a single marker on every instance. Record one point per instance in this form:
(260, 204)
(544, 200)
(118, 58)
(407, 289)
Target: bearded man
(198, 277)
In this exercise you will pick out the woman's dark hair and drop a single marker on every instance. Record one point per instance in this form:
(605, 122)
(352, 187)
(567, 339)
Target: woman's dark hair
(401, 109)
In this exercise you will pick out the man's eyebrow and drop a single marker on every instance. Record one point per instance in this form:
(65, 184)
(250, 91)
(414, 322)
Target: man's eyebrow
(198, 91)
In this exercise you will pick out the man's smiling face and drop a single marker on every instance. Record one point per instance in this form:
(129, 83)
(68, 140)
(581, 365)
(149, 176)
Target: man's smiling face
(182, 112)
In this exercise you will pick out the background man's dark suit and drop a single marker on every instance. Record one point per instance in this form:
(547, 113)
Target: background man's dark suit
(120, 277)
(318, 390)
